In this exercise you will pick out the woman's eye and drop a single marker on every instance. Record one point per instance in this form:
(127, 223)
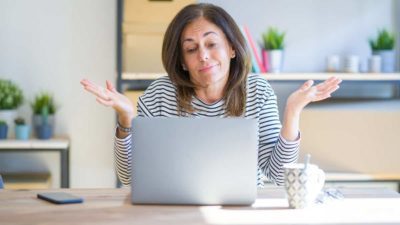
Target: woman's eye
(190, 50)
(212, 45)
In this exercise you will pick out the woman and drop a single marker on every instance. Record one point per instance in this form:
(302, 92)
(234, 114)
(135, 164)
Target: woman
(207, 61)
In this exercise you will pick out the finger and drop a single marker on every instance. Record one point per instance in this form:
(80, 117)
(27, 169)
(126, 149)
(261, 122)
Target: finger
(99, 92)
(332, 81)
(307, 85)
(105, 102)
(110, 86)
(87, 83)
(331, 89)
(326, 94)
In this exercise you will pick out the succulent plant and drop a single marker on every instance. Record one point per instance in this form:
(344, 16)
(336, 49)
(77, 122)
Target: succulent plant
(11, 96)
(43, 104)
(273, 39)
(384, 41)
(19, 121)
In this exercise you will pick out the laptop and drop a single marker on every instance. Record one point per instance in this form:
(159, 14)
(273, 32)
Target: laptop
(194, 161)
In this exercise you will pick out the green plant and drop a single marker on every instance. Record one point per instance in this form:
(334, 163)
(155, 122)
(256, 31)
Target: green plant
(10, 95)
(273, 39)
(19, 121)
(43, 104)
(2, 122)
(384, 41)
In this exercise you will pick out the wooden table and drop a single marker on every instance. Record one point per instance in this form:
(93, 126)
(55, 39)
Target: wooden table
(60, 145)
(112, 206)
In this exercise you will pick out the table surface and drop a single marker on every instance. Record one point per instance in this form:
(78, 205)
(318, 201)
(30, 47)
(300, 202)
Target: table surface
(112, 206)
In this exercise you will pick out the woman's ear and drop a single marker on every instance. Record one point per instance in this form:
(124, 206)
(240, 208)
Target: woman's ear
(233, 53)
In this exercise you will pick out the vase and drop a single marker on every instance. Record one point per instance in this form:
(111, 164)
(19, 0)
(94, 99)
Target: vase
(43, 126)
(387, 59)
(275, 58)
(8, 115)
(22, 132)
(3, 131)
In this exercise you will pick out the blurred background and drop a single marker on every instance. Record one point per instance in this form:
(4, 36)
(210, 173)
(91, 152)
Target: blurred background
(49, 46)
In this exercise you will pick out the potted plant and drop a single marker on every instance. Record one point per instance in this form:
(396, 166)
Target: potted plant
(22, 130)
(11, 98)
(3, 129)
(383, 46)
(43, 108)
(274, 43)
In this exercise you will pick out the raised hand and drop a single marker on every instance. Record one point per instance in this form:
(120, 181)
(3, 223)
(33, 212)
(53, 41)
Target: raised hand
(308, 93)
(110, 97)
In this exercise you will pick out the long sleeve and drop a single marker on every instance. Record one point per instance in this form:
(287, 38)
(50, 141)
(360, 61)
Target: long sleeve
(123, 158)
(274, 150)
(147, 106)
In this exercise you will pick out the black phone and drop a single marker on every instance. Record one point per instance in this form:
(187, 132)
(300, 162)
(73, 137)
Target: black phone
(60, 197)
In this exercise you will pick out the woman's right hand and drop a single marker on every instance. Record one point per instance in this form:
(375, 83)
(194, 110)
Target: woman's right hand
(110, 97)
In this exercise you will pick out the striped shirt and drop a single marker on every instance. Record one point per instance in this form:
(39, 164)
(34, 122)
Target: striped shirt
(159, 100)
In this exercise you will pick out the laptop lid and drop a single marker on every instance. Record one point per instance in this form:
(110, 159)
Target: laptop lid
(201, 161)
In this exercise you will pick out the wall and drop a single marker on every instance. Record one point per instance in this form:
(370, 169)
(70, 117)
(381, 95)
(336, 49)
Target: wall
(315, 29)
(51, 45)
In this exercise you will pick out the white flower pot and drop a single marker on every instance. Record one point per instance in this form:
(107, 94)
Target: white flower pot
(275, 58)
(388, 58)
(8, 116)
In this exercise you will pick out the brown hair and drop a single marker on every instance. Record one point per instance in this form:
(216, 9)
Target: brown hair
(235, 89)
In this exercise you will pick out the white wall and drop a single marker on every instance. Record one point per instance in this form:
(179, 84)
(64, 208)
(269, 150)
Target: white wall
(50, 45)
(315, 29)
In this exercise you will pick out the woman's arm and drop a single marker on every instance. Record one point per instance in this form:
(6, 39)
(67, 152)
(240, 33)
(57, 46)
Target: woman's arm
(122, 144)
(299, 99)
(110, 97)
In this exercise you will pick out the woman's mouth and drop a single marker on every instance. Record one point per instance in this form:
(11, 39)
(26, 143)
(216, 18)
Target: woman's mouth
(206, 68)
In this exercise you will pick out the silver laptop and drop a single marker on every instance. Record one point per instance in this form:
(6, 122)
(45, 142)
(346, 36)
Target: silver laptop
(198, 161)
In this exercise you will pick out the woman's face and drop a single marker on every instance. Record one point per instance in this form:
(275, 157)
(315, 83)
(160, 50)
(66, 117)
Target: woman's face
(206, 53)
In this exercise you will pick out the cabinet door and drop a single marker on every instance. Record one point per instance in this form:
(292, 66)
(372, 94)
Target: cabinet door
(144, 26)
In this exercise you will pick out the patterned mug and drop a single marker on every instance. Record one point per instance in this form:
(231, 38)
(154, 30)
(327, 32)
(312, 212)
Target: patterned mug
(303, 184)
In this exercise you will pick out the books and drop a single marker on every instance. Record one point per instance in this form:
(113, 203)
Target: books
(257, 63)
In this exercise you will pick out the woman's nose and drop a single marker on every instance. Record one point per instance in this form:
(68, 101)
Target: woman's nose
(203, 54)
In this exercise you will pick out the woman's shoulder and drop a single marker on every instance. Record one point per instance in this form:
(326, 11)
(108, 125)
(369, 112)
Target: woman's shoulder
(258, 83)
(161, 84)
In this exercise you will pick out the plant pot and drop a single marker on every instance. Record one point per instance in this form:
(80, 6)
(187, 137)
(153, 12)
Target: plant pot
(44, 131)
(388, 60)
(8, 116)
(22, 132)
(43, 126)
(3, 131)
(275, 60)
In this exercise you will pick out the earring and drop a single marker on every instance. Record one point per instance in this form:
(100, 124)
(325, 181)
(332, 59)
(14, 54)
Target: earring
(233, 55)
(184, 67)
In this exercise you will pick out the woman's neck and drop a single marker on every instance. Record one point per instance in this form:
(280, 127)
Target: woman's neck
(209, 94)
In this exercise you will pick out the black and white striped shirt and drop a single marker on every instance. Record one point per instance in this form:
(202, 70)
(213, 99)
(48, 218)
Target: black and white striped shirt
(159, 100)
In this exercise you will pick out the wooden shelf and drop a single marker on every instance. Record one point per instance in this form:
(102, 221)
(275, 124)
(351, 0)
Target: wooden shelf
(395, 77)
(54, 143)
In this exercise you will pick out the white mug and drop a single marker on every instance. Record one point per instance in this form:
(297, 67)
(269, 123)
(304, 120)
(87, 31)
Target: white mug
(333, 63)
(352, 64)
(303, 184)
(375, 64)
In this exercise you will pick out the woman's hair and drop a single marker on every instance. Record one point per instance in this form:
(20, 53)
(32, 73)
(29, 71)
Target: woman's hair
(172, 57)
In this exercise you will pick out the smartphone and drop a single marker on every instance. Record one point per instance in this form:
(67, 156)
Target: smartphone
(60, 197)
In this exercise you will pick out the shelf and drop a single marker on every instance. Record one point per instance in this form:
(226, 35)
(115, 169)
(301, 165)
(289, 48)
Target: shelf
(386, 77)
(54, 143)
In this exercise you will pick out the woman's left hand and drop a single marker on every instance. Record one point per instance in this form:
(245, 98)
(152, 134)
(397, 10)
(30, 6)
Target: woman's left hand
(308, 93)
